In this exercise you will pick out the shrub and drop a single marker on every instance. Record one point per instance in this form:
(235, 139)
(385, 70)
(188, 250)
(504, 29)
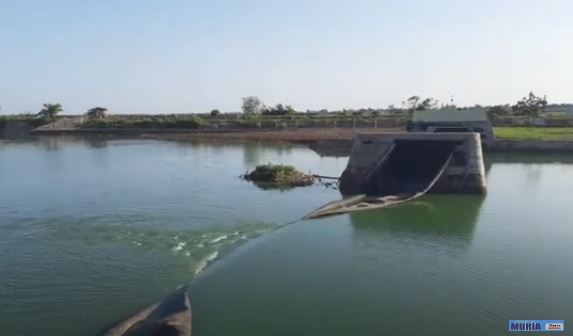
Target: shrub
(166, 121)
(279, 176)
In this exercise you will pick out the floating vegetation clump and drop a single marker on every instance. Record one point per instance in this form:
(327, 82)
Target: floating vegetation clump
(279, 176)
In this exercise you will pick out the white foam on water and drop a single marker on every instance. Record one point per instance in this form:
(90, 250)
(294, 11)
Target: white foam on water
(218, 239)
(205, 262)
(179, 246)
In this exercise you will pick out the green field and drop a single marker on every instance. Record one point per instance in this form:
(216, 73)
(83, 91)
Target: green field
(534, 133)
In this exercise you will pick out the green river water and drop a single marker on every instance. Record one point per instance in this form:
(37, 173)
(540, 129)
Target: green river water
(93, 229)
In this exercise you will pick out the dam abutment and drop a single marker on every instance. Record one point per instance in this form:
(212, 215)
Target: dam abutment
(393, 163)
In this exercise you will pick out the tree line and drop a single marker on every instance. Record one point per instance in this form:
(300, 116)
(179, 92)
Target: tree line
(49, 112)
(529, 106)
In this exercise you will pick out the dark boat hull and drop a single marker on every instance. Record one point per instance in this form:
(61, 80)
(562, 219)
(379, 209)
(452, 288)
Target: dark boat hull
(170, 317)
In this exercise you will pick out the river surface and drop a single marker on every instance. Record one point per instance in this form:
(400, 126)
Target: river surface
(92, 229)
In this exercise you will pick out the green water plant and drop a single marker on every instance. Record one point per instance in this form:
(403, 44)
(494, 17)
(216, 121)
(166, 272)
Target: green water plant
(280, 176)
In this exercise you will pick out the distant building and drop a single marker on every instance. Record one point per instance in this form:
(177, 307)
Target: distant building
(452, 120)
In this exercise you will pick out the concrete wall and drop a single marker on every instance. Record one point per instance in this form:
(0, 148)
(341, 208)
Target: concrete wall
(465, 174)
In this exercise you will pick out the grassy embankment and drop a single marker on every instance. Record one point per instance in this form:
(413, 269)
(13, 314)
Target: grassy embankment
(237, 121)
(534, 133)
(293, 120)
(21, 118)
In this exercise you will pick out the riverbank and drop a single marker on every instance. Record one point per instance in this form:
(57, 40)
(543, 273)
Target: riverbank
(338, 142)
(329, 140)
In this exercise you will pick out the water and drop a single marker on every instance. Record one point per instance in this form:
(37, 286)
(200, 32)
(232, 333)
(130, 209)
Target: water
(92, 229)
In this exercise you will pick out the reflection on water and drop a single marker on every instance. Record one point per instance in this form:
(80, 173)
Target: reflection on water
(533, 158)
(96, 141)
(433, 216)
(532, 163)
(253, 153)
(56, 143)
(48, 144)
(271, 186)
(333, 148)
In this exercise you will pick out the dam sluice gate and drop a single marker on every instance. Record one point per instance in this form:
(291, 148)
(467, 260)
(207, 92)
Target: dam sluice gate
(387, 169)
(384, 164)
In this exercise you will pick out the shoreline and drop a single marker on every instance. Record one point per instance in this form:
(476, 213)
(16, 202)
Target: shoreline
(330, 141)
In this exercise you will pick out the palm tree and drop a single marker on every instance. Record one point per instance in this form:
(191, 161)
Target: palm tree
(96, 112)
(49, 111)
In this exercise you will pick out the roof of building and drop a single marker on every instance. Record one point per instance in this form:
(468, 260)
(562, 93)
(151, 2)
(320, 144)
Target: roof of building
(450, 115)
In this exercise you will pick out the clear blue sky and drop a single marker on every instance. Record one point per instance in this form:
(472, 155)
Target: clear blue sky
(142, 56)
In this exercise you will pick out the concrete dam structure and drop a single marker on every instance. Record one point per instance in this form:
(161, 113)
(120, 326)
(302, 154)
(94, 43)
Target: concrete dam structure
(388, 169)
(382, 164)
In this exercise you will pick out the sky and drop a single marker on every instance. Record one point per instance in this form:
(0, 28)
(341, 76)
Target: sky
(176, 56)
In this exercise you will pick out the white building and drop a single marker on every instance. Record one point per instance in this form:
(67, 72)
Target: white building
(453, 120)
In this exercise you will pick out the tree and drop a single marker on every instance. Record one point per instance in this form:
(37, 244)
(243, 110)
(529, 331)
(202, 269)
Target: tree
(412, 103)
(279, 109)
(49, 111)
(415, 103)
(215, 113)
(426, 104)
(392, 109)
(530, 106)
(496, 111)
(96, 112)
(251, 105)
